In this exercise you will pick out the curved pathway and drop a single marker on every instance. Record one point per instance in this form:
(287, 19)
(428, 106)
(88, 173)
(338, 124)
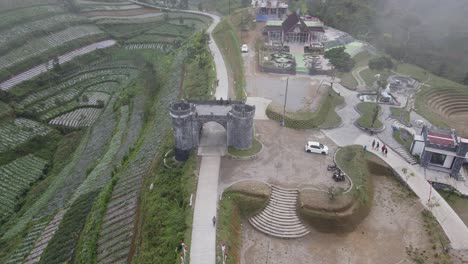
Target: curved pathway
(33, 72)
(221, 71)
(357, 75)
(348, 134)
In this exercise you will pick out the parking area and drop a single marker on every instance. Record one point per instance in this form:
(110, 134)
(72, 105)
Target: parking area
(284, 161)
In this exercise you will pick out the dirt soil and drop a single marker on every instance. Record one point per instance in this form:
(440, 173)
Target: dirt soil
(393, 224)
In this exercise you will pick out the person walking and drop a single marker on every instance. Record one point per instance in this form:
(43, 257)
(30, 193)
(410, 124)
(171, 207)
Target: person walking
(373, 144)
(383, 149)
(386, 151)
(377, 146)
(214, 220)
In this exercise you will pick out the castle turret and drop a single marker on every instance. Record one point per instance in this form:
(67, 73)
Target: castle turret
(240, 126)
(182, 115)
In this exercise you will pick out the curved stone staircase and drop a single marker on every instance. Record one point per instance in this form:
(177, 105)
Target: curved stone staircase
(279, 217)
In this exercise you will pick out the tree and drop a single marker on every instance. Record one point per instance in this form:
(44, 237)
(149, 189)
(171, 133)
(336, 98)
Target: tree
(85, 98)
(380, 63)
(340, 59)
(465, 80)
(200, 6)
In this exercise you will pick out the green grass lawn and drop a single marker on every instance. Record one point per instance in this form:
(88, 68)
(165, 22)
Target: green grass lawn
(256, 147)
(369, 75)
(403, 138)
(353, 161)
(401, 112)
(347, 79)
(367, 110)
(325, 116)
(237, 204)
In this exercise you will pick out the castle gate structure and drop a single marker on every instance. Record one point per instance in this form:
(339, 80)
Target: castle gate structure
(188, 118)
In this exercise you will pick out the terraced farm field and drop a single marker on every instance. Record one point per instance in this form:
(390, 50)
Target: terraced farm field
(450, 105)
(114, 100)
(19, 131)
(41, 45)
(16, 179)
(21, 32)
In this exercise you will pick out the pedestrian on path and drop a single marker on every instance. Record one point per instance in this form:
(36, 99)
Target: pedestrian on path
(214, 220)
(377, 146)
(383, 149)
(385, 152)
(373, 144)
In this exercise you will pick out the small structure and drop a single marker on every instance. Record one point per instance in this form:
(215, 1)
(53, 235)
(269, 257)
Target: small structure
(441, 150)
(269, 9)
(188, 118)
(295, 30)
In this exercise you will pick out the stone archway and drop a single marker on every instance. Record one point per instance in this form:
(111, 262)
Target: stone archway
(188, 119)
(213, 139)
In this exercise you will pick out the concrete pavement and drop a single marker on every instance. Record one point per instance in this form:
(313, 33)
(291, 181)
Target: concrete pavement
(453, 226)
(348, 134)
(203, 245)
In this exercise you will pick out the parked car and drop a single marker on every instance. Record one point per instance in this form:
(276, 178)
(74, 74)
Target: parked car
(316, 147)
(245, 48)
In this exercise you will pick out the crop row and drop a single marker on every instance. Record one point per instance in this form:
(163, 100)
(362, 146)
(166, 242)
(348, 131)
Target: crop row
(40, 45)
(17, 16)
(19, 131)
(99, 176)
(81, 117)
(84, 79)
(28, 243)
(93, 99)
(120, 217)
(14, 4)
(73, 173)
(35, 71)
(44, 25)
(16, 178)
(92, 8)
(163, 46)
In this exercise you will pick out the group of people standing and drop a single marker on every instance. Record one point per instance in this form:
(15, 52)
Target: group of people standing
(376, 146)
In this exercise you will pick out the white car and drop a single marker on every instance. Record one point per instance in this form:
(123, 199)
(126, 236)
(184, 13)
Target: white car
(316, 147)
(245, 48)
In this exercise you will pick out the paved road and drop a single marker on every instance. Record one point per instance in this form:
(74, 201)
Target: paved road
(221, 71)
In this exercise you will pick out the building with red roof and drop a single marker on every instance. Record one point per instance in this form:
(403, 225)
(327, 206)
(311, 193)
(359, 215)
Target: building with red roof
(441, 150)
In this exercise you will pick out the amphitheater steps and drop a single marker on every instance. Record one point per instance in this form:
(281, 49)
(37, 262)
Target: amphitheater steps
(279, 218)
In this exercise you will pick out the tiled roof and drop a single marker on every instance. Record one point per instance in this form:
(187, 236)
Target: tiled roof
(440, 138)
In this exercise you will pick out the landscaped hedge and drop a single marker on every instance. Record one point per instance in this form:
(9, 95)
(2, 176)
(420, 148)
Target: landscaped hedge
(315, 119)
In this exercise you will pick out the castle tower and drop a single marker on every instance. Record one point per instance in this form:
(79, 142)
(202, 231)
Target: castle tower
(240, 126)
(182, 122)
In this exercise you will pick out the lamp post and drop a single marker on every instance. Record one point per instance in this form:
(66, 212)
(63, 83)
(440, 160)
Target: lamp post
(285, 99)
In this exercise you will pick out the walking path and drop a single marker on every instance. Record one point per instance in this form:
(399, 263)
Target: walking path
(356, 74)
(33, 72)
(203, 244)
(221, 71)
(348, 134)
